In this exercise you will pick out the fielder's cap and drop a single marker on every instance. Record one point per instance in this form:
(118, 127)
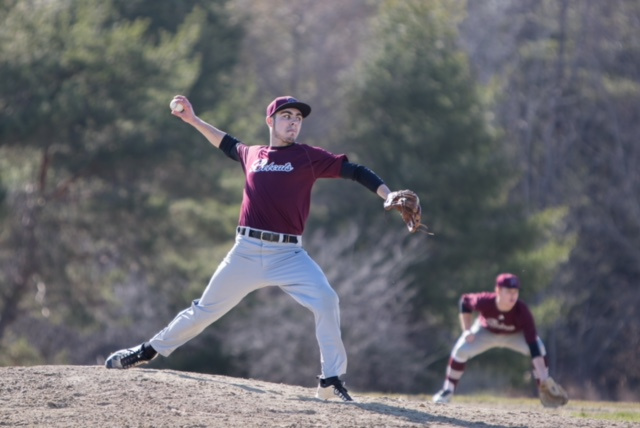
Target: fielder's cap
(287, 101)
(507, 280)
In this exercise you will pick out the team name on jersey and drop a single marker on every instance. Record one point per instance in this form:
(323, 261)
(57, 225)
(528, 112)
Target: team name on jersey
(261, 165)
(494, 323)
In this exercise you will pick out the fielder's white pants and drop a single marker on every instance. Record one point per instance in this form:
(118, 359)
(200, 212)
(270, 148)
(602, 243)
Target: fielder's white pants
(252, 264)
(485, 340)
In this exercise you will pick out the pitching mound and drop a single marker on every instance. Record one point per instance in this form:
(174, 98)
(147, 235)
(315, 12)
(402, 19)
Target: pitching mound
(92, 396)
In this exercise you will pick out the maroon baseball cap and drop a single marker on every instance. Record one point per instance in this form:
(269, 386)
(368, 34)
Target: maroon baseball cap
(287, 102)
(507, 280)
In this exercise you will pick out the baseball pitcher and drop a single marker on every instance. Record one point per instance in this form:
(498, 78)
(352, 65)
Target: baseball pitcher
(268, 247)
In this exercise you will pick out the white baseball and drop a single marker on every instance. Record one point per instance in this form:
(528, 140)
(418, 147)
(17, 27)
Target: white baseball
(175, 105)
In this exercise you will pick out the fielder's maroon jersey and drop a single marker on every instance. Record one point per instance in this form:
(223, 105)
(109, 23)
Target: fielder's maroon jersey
(277, 192)
(519, 318)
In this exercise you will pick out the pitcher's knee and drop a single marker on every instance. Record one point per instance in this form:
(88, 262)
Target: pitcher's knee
(328, 301)
(203, 313)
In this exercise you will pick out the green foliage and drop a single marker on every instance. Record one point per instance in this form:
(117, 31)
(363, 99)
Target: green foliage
(421, 123)
(554, 244)
(216, 47)
(20, 353)
(571, 109)
(67, 68)
(92, 162)
(426, 127)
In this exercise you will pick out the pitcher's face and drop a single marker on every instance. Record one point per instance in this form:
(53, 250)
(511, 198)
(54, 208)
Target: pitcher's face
(286, 125)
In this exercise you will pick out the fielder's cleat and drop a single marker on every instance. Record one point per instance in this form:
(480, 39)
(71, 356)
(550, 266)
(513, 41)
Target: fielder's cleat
(443, 396)
(332, 387)
(132, 357)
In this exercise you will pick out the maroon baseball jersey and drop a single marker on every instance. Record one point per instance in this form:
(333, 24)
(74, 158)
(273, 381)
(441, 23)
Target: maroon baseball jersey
(519, 318)
(277, 192)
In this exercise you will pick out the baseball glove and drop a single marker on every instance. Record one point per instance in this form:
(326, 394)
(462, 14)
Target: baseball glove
(552, 394)
(408, 203)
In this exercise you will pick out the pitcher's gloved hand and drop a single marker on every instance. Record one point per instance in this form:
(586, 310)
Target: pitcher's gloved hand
(408, 204)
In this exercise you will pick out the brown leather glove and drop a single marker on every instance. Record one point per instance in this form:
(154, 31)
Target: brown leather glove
(408, 204)
(552, 394)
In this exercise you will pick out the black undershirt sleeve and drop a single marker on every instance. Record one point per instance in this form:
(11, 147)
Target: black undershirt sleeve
(534, 349)
(228, 146)
(362, 175)
(463, 306)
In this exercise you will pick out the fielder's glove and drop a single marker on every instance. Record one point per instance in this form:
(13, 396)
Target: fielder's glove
(408, 203)
(552, 394)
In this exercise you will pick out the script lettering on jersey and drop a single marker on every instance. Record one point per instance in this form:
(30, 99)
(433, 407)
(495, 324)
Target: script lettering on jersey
(496, 324)
(261, 165)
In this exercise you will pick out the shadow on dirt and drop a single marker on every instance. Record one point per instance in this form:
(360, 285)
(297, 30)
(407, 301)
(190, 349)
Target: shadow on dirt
(415, 416)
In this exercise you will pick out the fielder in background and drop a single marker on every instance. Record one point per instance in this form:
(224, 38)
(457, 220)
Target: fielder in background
(268, 247)
(503, 321)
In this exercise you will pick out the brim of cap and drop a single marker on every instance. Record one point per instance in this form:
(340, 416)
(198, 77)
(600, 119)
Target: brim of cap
(305, 109)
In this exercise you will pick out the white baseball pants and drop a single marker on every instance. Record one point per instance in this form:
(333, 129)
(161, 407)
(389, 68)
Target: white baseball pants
(252, 264)
(485, 340)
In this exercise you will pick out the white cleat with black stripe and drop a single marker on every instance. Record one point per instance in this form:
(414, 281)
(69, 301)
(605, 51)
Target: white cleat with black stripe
(443, 396)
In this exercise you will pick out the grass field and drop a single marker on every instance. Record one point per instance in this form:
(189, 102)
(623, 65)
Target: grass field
(602, 410)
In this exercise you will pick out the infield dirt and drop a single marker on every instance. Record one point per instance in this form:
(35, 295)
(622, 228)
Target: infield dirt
(92, 396)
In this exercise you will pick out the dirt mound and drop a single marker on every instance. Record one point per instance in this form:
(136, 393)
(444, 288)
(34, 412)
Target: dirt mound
(92, 396)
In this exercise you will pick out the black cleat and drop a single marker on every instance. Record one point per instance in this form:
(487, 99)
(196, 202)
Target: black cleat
(129, 358)
(332, 387)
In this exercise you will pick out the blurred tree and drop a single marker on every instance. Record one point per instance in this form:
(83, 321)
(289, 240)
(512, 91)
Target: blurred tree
(602, 330)
(420, 121)
(568, 72)
(306, 49)
(215, 48)
(92, 239)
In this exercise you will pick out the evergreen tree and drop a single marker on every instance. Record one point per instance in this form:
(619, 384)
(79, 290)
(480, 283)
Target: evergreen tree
(570, 75)
(93, 235)
(419, 119)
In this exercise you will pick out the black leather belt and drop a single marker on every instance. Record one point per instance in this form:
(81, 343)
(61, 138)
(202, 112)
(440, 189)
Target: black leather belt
(267, 236)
